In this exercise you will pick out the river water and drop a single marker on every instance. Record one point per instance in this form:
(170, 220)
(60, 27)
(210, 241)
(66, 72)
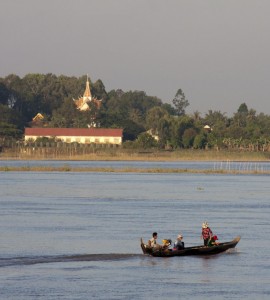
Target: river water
(76, 235)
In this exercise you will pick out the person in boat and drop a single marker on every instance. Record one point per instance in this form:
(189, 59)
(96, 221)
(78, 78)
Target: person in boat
(179, 244)
(207, 233)
(213, 241)
(166, 243)
(152, 243)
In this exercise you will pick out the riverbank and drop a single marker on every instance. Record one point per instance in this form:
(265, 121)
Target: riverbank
(67, 168)
(225, 162)
(132, 155)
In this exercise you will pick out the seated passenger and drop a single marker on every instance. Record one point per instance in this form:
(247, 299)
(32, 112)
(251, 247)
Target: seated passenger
(179, 244)
(213, 241)
(166, 243)
(152, 243)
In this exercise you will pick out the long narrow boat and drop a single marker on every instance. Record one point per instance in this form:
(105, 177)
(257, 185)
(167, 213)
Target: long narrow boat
(196, 250)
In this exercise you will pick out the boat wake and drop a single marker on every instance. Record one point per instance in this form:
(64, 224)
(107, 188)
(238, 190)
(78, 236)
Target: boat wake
(31, 260)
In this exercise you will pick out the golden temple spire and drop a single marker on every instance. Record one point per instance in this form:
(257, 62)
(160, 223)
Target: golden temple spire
(83, 102)
(87, 92)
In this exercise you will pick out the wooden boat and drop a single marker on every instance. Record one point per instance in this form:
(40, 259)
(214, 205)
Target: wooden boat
(196, 250)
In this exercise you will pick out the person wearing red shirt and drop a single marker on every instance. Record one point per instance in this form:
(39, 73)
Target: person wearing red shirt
(207, 233)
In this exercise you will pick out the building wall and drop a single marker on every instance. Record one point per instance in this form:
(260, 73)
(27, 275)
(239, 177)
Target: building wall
(83, 139)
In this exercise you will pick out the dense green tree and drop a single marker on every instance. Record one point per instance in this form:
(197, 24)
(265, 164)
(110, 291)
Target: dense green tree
(200, 141)
(15, 100)
(243, 108)
(131, 105)
(219, 124)
(134, 111)
(188, 137)
(216, 119)
(180, 102)
(65, 116)
(10, 123)
(244, 124)
(169, 108)
(146, 141)
(263, 122)
(98, 90)
(153, 117)
(4, 94)
(179, 125)
(131, 130)
(164, 131)
(8, 130)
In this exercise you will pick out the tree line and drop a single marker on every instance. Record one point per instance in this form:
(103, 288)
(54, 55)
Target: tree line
(141, 116)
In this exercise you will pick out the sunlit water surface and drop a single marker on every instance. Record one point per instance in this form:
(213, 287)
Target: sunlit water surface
(76, 235)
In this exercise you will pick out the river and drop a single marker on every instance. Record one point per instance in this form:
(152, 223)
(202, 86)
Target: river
(76, 235)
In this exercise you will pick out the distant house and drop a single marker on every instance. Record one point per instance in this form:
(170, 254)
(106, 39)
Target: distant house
(38, 117)
(38, 121)
(207, 128)
(79, 135)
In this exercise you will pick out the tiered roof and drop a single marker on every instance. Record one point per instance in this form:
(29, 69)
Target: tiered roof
(82, 103)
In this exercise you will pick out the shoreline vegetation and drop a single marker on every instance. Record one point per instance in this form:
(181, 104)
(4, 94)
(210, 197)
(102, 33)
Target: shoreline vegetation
(67, 168)
(137, 155)
(224, 160)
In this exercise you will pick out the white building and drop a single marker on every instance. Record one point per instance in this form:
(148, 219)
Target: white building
(80, 135)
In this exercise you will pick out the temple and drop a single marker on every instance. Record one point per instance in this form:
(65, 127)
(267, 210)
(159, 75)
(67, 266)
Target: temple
(83, 102)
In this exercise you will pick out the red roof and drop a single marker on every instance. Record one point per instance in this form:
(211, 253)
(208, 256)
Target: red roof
(115, 132)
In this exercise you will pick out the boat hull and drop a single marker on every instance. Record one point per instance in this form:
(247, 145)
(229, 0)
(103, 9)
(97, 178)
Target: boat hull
(197, 250)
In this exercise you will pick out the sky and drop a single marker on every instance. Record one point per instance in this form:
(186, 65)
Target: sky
(216, 51)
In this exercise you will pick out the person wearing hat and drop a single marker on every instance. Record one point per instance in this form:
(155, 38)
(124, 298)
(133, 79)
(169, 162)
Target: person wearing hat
(206, 233)
(179, 244)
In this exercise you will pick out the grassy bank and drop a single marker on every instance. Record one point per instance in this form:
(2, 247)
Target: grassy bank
(67, 168)
(132, 155)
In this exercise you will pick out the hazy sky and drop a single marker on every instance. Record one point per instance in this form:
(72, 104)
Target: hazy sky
(216, 51)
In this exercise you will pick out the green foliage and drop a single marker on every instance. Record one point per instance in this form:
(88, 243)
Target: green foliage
(178, 127)
(129, 145)
(188, 137)
(146, 141)
(10, 123)
(65, 116)
(130, 129)
(153, 117)
(98, 89)
(44, 140)
(243, 108)
(216, 119)
(4, 94)
(130, 105)
(9, 130)
(200, 141)
(214, 141)
(168, 107)
(164, 131)
(180, 102)
(134, 111)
